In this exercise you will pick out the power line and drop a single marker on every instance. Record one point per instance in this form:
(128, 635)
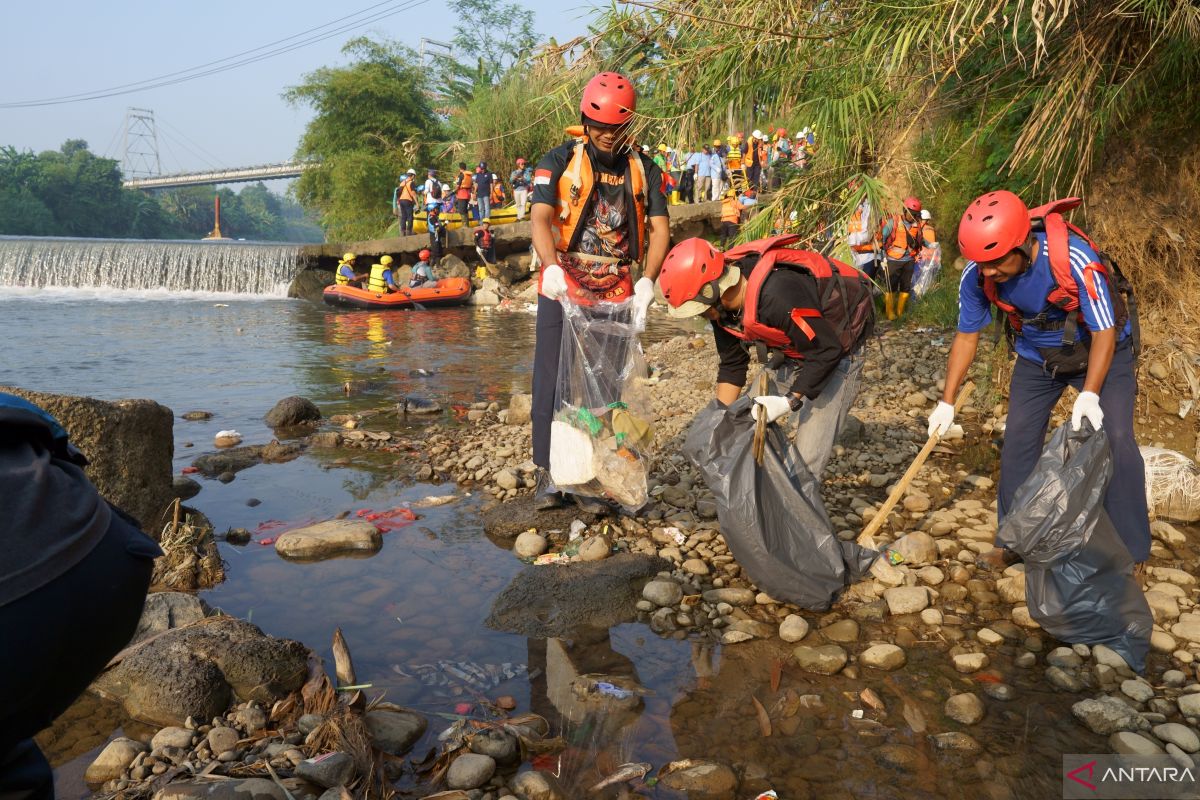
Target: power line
(170, 79)
(204, 153)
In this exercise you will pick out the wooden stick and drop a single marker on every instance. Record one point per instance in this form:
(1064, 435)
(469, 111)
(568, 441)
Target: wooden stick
(866, 538)
(760, 427)
(175, 521)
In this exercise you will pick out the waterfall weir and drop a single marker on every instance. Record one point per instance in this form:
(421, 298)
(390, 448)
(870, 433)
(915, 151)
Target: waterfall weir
(135, 264)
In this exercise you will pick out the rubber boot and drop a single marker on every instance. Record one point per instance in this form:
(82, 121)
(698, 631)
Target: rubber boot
(901, 301)
(889, 305)
(546, 496)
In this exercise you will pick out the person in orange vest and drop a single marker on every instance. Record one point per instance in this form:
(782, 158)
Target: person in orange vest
(900, 238)
(810, 312)
(464, 190)
(731, 217)
(598, 210)
(862, 237)
(406, 202)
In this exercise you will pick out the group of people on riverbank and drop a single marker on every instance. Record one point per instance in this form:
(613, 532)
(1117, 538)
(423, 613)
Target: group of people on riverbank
(599, 210)
(473, 195)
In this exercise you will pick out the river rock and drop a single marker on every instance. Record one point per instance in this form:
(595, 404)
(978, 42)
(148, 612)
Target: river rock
(243, 789)
(966, 708)
(917, 547)
(885, 657)
(291, 412)
(1164, 607)
(499, 745)
(530, 544)
(696, 566)
(470, 770)
(520, 406)
(970, 662)
(1133, 744)
(198, 671)
(185, 488)
(327, 539)
(843, 631)
(549, 602)
(507, 479)
(163, 611)
(595, 548)
(955, 740)
(824, 660)
(702, 780)
(394, 731)
(1138, 691)
(113, 760)
(534, 785)
(172, 736)
(906, 599)
(663, 593)
(731, 595)
(1181, 736)
(129, 445)
(1107, 715)
(793, 628)
(328, 770)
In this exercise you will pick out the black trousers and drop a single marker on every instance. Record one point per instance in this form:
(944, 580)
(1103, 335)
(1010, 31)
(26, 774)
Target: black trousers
(406, 217)
(56, 640)
(899, 275)
(729, 230)
(461, 207)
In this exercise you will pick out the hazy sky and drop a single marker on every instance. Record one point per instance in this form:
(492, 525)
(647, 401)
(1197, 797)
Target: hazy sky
(233, 118)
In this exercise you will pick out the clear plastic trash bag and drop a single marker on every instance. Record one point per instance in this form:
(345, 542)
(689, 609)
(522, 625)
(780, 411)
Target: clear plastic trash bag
(1079, 582)
(772, 517)
(927, 269)
(603, 431)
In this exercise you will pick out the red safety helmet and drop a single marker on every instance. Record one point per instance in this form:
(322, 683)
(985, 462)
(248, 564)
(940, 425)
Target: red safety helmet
(424, 254)
(912, 204)
(693, 277)
(780, 132)
(520, 161)
(993, 226)
(608, 99)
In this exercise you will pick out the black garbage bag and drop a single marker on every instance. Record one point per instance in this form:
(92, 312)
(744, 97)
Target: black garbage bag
(772, 516)
(1079, 581)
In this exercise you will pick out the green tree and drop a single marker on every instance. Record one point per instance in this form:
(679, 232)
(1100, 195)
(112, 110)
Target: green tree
(373, 119)
(490, 40)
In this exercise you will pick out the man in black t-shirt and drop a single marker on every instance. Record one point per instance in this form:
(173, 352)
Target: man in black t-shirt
(598, 209)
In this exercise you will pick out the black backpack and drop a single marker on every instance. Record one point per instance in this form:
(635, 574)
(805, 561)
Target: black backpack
(436, 191)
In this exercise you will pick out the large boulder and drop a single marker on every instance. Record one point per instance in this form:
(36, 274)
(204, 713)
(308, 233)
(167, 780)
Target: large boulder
(163, 611)
(292, 411)
(337, 537)
(451, 266)
(511, 269)
(129, 444)
(310, 284)
(200, 670)
(556, 600)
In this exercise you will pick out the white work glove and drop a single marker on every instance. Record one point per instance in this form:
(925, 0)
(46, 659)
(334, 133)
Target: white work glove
(941, 419)
(643, 296)
(554, 282)
(1087, 406)
(774, 406)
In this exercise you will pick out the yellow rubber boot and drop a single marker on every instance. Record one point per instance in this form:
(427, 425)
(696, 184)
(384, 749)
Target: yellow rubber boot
(889, 305)
(900, 304)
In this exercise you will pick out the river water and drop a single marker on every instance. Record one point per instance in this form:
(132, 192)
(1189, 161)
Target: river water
(423, 598)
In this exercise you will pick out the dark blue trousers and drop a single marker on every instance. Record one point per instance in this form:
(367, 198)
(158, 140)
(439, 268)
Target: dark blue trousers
(546, 347)
(57, 639)
(1032, 395)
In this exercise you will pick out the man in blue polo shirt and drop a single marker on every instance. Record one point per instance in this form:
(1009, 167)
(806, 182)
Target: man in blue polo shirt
(1011, 268)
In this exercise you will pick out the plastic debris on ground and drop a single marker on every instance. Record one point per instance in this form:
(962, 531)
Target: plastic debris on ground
(603, 432)
(1172, 484)
(1079, 582)
(388, 520)
(772, 517)
(927, 269)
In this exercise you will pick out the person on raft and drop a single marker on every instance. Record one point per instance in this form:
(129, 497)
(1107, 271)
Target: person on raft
(422, 273)
(765, 294)
(381, 280)
(345, 275)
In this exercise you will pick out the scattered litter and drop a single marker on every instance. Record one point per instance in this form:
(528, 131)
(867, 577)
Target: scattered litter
(1172, 484)
(769, 794)
(227, 438)
(388, 520)
(577, 528)
(463, 708)
(220, 305)
(478, 677)
(676, 534)
(436, 500)
(857, 713)
(894, 557)
(624, 773)
(551, 558)
(190, 470)
(612, 690)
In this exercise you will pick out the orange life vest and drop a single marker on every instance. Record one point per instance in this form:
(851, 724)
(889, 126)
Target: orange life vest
(576, 187)
(407, 193)
(858, 224)
(902, 239)
(845, 296)
(731, 210)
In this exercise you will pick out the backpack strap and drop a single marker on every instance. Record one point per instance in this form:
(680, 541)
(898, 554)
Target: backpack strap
(573, 174)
